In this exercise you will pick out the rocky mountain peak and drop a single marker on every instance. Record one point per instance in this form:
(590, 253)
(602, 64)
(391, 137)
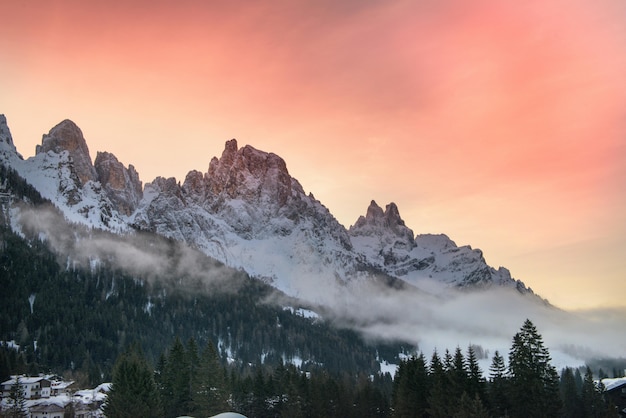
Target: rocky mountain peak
(382, 236)
(249, 174)
(6, 140)
(374, 214)
(378, 221)
(122, 185)
(5, 133)
(66, 136)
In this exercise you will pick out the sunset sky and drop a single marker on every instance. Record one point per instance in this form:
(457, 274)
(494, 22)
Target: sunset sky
(499, 123)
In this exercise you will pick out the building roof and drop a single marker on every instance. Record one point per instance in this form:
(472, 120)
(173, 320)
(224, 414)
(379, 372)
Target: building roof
(61, 384)
(25, 380)
(610, 384)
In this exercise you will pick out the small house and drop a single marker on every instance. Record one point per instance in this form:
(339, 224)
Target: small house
(615, 391)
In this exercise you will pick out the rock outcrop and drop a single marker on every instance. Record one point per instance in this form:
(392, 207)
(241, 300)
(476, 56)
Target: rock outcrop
(66, 136)
(7, 148)
(122, 185)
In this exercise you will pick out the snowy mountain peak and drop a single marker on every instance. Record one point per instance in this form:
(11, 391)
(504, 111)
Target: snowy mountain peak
(7, 148)
(387, 226)
(251, 175)
(67, 136)
(5, 133)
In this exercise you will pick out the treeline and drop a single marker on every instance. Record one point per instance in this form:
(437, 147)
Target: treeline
(189, 381)
(454, 386)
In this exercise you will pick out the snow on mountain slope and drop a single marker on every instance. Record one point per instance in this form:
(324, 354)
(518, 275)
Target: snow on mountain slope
(384, 240)
(249, 213)
(62, 172)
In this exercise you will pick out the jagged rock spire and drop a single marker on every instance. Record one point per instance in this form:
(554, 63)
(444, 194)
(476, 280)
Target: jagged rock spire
(375, 217)
(7, 148)
(122, 185)
(250, 174)
(66, 136)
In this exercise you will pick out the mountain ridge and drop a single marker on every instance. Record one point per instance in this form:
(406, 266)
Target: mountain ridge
(248, 212)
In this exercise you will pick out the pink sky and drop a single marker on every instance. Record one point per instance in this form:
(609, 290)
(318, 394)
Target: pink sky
(501, 124)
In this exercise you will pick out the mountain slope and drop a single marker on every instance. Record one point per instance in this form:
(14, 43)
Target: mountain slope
(385, 241)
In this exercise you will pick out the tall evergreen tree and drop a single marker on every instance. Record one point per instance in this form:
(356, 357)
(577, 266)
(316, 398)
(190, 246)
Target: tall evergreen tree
(176, 390)
(438, 402)
(458, 374)
(133, 391)
(475, 379)
(572, 406)
(192, 355)
(209, 393)
(411, 387)
(534, 381)
(593, 404)
(498, 386)
(17, 400)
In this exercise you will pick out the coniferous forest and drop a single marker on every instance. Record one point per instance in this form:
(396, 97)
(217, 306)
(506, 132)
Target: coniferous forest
(172, 351)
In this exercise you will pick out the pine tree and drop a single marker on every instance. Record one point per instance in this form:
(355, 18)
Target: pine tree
(572, 406)
(534, 382)
(498, 386)
(133, 391)
(438, 402)
(17, 400)
(209, 393)
(411, 386)
(176, 390)
(475, 379)
(458, 375)
(470, 408)
(193, 361)
(593, 404)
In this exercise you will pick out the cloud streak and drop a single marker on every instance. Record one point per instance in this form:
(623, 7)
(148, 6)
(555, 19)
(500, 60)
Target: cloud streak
(144, 255)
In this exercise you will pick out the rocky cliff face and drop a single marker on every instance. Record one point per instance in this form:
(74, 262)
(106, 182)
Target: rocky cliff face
(5, 137)
(99, 195)
(248, 212)
(122, 185)
(66, 136)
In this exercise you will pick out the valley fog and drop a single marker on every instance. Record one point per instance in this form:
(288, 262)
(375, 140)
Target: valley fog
(430, 315)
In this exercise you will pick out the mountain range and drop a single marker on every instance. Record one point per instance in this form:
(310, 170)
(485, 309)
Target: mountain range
(249, 213)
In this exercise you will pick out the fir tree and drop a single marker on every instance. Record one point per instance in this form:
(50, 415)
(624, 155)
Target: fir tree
(534, 381)
(498, 386)
(438, 402)
(572, 406)
(176, 390)
(17, 400)
(411, 387)
(470, 408)
(458, 375)
(133, 391)
(209, 393)
(475, 379)
(593, 404)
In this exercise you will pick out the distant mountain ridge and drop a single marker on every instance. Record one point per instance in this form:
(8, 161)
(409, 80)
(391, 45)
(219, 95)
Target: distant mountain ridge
(249, 213)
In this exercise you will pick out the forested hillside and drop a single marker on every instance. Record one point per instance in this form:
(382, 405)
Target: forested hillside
(68, 317)
(77, 320)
